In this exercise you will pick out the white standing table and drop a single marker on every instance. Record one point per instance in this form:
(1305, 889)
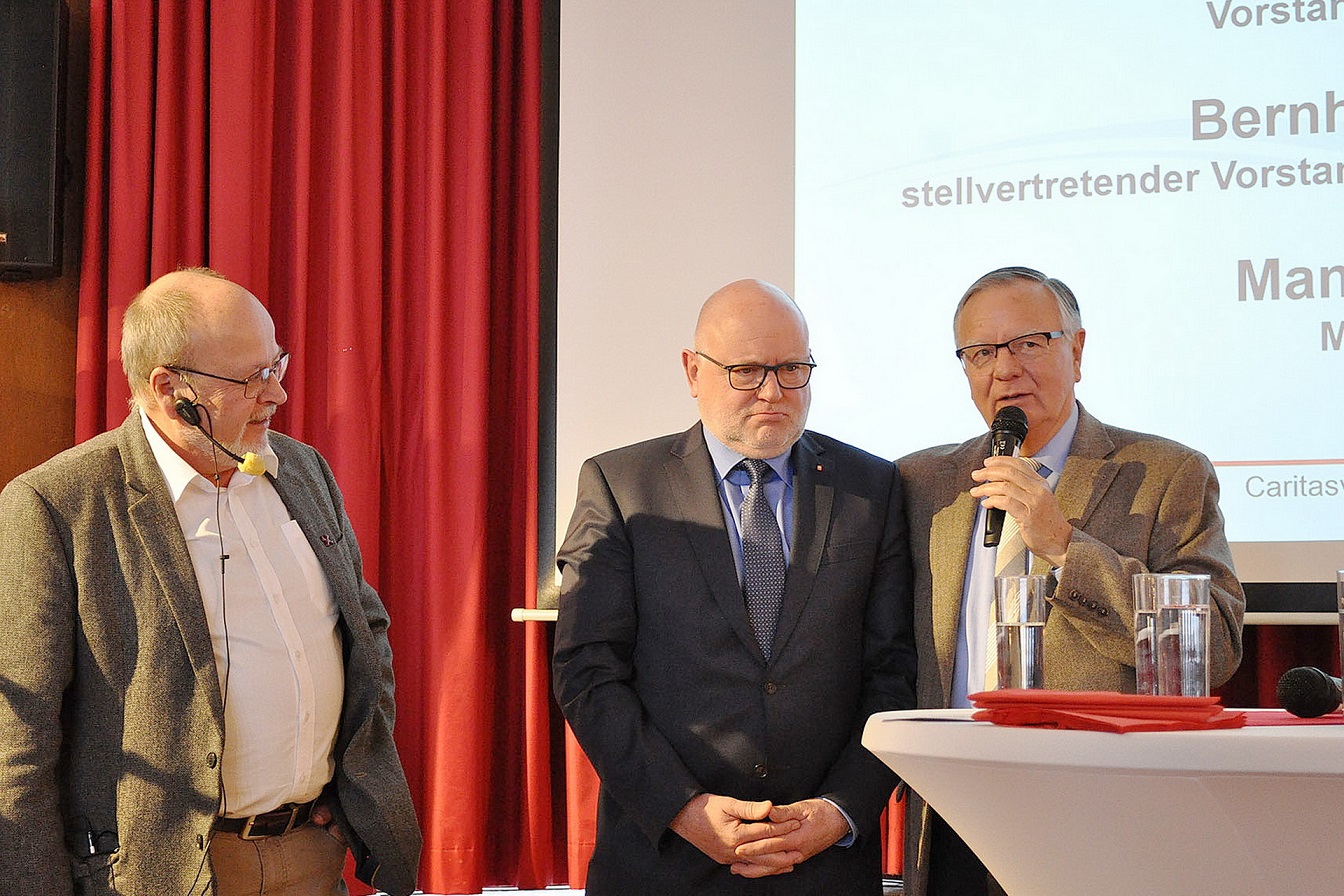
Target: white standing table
(1083, 813)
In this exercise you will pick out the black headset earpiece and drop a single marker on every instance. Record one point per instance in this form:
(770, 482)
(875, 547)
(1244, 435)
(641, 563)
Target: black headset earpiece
(189, 411)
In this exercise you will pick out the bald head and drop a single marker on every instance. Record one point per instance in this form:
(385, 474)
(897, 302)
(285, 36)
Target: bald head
(750, 308)
(172, 320)
(748, 323)
(194, 338)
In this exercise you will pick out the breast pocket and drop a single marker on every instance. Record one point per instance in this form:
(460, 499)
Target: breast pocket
(848, 552)
(317, 588)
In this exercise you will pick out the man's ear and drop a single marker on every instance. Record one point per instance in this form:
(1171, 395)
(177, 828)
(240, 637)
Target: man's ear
(1078, 339)
(162, 385)
(690, 362)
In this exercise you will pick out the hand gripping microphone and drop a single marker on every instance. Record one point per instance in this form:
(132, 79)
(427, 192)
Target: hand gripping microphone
(1008, 431)
(249, 463)
(1308, 692)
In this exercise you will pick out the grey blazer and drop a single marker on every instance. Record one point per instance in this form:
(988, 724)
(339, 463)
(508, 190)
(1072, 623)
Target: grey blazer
(1138, 503)
(668, 692)
(110, 704)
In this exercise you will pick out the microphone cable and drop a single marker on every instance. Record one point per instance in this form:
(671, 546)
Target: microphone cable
(228, 663)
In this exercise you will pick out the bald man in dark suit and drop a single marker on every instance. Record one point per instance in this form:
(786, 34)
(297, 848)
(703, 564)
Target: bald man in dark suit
(727, 744)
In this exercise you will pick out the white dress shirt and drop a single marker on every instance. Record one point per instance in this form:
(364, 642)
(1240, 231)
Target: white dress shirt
(273, 623)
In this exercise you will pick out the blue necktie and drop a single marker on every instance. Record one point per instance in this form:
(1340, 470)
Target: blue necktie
(763, 566)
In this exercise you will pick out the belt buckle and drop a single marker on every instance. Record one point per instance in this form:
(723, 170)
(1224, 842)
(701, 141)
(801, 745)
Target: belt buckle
(246, 833)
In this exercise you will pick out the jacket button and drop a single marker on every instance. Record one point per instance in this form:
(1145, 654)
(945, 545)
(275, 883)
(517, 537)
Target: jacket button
(200, 842)
(760, 771)
(1105, 611)
(771, 687)
(211, 760)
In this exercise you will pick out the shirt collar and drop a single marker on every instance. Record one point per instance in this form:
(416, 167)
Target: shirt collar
(1055, 452)
(179, 474)
(725, 458)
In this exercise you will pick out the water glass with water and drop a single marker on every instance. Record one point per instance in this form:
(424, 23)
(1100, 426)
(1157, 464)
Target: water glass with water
(1019, 616)
(1182, 627)
(1145, 633)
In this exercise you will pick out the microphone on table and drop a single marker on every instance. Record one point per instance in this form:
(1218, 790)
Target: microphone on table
(1008, 431)
(249, 463)
(1309, 692)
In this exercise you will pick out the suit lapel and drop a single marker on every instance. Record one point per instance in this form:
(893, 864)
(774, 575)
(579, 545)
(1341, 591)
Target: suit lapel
(693, 485)
(159, 533)
(1088, 472)
(813, 497)
(948, 567)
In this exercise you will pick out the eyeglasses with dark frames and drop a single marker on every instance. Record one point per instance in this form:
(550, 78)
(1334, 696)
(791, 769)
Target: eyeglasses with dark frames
(253, 385)
(750, 377)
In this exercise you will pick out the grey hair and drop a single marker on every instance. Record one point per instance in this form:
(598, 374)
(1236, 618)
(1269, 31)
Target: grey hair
(1071, 319)
(157, 330)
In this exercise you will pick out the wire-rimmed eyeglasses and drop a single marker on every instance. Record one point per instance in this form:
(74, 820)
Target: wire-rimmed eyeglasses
(252, 385)
(1025, 348)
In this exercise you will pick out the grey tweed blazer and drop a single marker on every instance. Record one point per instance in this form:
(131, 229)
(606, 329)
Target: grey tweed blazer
(1138, 503)
(111, 720)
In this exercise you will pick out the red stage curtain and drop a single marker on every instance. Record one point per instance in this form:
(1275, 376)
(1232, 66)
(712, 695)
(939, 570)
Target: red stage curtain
(370, 171)
(1270, 650)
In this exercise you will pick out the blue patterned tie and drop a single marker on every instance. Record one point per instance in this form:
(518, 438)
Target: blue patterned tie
(763, 566)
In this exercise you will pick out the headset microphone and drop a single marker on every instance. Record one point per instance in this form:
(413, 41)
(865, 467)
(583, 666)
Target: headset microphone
(189, 412)
(249, 463)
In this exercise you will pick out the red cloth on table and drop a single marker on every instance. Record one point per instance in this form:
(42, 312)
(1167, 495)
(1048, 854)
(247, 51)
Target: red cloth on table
(1102, 711)
(1284, 717)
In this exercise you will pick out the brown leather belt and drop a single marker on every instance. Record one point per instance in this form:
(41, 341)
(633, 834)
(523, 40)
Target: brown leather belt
(275, 823)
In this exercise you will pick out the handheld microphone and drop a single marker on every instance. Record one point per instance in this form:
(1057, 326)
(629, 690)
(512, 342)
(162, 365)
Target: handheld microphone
(1007, 432)
(1308, 692)
(249, 463)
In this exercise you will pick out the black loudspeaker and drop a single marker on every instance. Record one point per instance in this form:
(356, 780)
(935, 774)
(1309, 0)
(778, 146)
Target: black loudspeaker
(32, 124)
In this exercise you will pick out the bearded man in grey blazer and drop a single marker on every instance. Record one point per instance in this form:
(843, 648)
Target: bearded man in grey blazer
(1106, 504)
(727, 737)
(196, 688)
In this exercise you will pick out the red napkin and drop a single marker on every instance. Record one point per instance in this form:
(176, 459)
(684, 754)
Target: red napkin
(1284, 717)
(1102, 711)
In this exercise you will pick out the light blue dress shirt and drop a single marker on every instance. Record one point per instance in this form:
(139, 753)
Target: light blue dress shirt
(733, 489)
(977, 593)
(733, 485)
